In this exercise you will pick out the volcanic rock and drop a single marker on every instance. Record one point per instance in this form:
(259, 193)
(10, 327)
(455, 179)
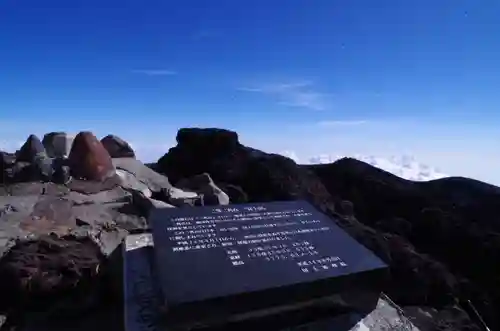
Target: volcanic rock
(88, 159)
(204, 185)
(134, 174)
(57, 144)
(7, 159)
(117, 147)
(49, 272)
(50, 215)
(30, 149)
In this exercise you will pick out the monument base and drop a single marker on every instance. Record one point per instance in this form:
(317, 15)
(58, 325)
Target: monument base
(143, 303)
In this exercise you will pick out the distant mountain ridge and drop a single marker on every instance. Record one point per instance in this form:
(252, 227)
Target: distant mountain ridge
(405, 166)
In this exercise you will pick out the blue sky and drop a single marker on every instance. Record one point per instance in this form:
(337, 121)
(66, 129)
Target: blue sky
(319, 76)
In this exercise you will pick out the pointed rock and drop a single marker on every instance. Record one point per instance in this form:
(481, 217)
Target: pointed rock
(117, 147)
(57, 144)
(30, 149)
(88, 159)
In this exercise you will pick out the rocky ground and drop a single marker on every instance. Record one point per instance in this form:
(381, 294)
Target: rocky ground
(64, 212)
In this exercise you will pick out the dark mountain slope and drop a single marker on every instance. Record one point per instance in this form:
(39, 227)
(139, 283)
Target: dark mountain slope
(455, 220)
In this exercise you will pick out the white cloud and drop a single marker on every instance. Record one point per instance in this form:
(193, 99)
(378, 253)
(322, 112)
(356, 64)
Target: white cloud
(295, 94)
(155, 72)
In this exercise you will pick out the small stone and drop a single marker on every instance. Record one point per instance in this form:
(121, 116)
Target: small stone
(57, 144)
(31, 148)
(204, 185)
(117, 147)
(88, 159)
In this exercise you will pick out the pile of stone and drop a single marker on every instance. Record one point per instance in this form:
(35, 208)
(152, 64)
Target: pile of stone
(66, 204)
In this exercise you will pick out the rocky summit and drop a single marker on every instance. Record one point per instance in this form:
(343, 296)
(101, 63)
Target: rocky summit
(66, 205)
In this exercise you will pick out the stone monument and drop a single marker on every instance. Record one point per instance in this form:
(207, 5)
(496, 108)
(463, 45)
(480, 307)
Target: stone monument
(277, 265)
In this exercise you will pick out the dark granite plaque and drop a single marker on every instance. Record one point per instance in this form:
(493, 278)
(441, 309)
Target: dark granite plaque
(224, 260)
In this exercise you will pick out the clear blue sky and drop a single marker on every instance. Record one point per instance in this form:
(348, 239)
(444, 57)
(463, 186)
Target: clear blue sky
(294, 71)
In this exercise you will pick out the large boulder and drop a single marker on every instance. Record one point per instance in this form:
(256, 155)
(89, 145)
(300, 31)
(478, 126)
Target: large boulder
(30, 149)
(117, 147)
(88, 159)
(135, 175)
(57, 144)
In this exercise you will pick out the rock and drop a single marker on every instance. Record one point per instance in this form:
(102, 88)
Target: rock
(110, 242)
(13, 211)
(203, 184)
(145, 204)
(153, 180)
(92, 187)
(130, 182)
(54, 189)
(114, 195)
(50, 215)
(7, 159)
(36, 188)
(62, 172)
(24, 203)
(396, 225)
(22, 172)
(31, 148)
(118, 215)
(88, 159)
(30, 188)
(43, 167)
(57, 144)
(117, 147)
(178, 197)
(212, 140)
(347, 208)
(50, 275)
(235, 193)
(177, 193)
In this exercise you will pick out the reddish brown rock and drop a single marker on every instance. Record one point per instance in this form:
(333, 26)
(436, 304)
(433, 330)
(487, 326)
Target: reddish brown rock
(88, 159)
